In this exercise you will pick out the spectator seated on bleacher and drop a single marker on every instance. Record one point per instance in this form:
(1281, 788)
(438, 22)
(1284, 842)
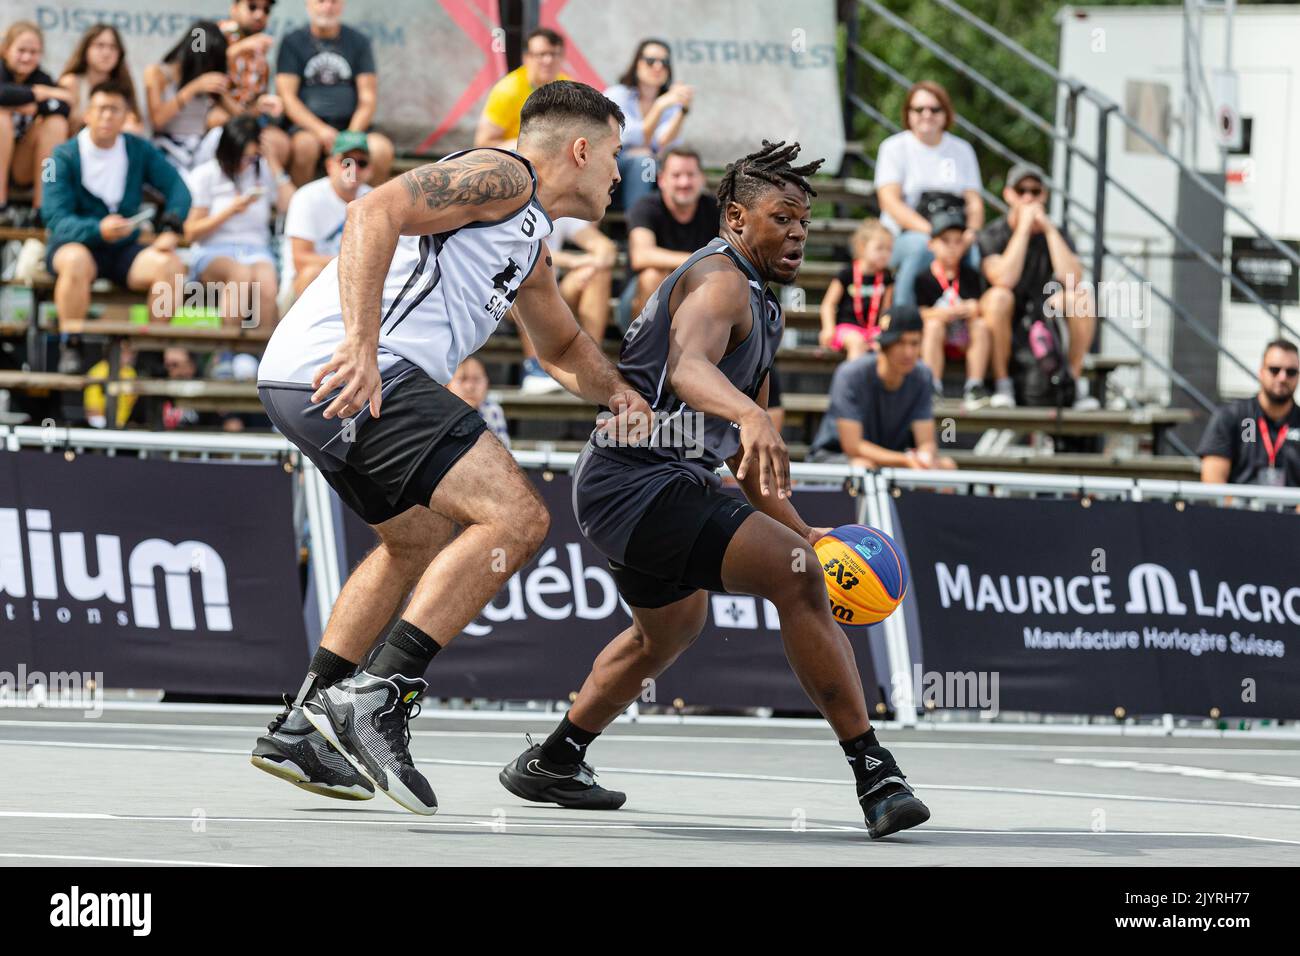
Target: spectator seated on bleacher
(1256, 440)
(313, 226)
(98, 180)
(585, 279)
(189, 96)
(470, 384)
(247, 58)
(948, 295)
(665, 227)
(1032, 272)
(543, 56)
(33, 119)
(860, 294)
(654, 108)
(99, 56)
(232, 198)
(919, 172)
(881, 412)
(180, 366)
(325, 75)
(93, 401)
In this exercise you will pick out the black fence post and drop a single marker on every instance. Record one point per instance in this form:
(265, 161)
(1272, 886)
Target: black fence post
(1099, 206)
(1071, 124)
(851, 25)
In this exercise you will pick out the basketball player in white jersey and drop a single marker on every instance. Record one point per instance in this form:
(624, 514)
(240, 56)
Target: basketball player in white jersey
(354, 376)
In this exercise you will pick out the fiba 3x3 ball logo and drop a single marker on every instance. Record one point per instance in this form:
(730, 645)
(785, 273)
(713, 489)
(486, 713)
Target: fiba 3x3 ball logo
(866, 576)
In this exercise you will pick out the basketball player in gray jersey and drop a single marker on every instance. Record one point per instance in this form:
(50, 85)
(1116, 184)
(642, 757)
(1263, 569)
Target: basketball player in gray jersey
(700, 354)
(355, 376)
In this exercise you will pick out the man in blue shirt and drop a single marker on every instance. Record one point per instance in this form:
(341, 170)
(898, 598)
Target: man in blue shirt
(881, 413)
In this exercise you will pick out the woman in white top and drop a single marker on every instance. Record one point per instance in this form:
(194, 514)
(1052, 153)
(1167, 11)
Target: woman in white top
(919, 170)
(99, 56)
(230, 222)
(182, 91)
(654, 108)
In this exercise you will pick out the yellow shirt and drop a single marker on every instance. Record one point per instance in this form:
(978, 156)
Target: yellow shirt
(506, 100)
(92, 399)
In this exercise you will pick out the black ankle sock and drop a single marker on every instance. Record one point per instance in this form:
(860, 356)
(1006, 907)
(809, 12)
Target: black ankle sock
(854, 750)
(325, 670)
(329, 668)
(568, 743)
(406, 651)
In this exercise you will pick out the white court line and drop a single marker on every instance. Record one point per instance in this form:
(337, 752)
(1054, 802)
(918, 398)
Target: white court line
(500, 824)
(706, 774)
(657, 738)
(1107, 729)
(114, 859)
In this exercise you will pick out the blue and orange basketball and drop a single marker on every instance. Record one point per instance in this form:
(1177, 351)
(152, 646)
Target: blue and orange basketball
(866, 575)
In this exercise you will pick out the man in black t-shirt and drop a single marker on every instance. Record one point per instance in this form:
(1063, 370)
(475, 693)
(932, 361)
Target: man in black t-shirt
(1033, 271)
(664, 228)
(325, 74)
(1256, 441)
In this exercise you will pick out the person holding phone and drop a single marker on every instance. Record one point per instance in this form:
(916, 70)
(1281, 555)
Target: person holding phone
(92, 205)
(230, 222)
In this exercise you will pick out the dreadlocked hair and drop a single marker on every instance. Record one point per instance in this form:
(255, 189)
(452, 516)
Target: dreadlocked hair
(746, 179)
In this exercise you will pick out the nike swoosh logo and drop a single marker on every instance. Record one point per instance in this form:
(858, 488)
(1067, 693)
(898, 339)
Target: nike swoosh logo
(534, 767)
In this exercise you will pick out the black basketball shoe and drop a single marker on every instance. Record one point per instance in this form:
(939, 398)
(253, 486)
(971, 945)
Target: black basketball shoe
(533, 777)
(292, 750)
(367, 718)
(887, 800)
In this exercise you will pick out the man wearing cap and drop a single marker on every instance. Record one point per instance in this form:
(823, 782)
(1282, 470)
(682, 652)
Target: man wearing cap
(313, 226)
(880, 414)
(1033, 271)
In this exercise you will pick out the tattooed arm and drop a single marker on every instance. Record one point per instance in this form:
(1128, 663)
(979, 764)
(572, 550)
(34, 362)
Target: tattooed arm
(480, 186)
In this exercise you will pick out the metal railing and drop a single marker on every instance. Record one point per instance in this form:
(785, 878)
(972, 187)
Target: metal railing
(872, 491)
(1107, 109)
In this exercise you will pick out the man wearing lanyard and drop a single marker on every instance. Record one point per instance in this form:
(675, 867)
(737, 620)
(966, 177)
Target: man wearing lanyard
(1256, 441)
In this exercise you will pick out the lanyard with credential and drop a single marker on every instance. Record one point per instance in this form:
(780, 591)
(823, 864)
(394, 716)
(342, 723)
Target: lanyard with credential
(944, 284)
(877, 293)
(1271, 448)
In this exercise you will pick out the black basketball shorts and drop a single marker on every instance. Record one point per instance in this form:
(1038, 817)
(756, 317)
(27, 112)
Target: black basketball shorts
(381, 466)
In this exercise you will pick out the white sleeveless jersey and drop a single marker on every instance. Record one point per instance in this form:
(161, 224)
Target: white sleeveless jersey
(443, 296)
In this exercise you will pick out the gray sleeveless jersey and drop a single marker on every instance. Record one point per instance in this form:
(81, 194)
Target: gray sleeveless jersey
(680, 433)
(613, 485)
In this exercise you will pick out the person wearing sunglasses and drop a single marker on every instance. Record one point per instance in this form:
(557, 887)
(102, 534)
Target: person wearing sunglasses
(655, 108)
(1033, 272)
(1256, 440)
(313, 226)
(248, 56)
(921, 172)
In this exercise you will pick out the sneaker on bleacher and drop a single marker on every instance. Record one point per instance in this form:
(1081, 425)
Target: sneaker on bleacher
(1083, 400)
(1004, 394)
(536, 381)
(975, 396)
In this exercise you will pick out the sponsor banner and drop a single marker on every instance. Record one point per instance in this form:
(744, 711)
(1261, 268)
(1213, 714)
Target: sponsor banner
(435, 59)
(761, 69)
(174, 575)
(538, 637)
(1120, 604)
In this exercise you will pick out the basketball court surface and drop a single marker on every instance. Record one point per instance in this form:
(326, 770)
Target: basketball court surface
(171, 784)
